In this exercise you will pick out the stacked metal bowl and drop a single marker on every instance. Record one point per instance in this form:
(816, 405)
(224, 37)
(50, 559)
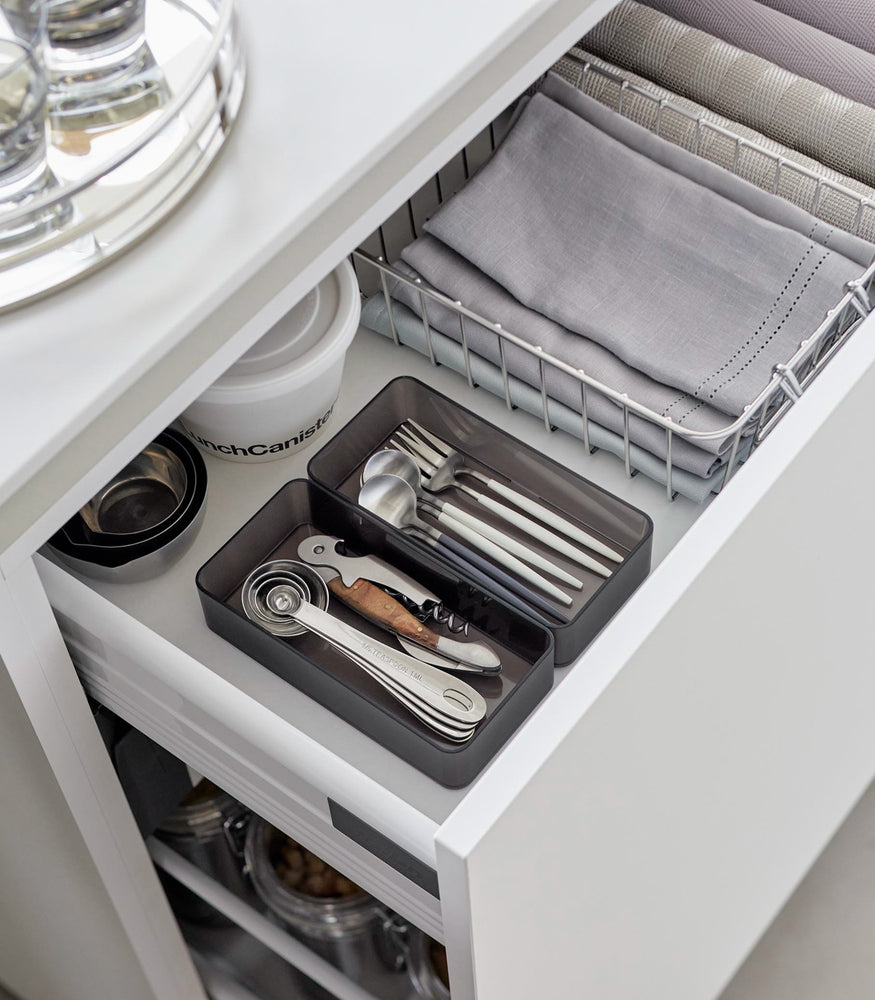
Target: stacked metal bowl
(143, 519)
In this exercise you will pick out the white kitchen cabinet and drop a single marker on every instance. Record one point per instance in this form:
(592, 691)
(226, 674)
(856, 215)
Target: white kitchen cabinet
(648, 820)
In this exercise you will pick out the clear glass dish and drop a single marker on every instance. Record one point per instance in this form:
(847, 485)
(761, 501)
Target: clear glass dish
(117, 171)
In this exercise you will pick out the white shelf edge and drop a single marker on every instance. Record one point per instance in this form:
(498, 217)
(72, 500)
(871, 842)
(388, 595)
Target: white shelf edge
(273, 937)
(142, 403)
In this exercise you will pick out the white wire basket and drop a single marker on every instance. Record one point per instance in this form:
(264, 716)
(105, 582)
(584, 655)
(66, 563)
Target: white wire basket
(789, 379)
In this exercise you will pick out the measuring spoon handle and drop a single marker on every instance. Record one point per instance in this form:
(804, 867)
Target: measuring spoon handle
(447, 695)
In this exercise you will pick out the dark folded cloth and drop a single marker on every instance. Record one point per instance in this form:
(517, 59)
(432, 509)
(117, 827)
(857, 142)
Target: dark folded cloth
(677, 281)
(787, 106)
(785, 41)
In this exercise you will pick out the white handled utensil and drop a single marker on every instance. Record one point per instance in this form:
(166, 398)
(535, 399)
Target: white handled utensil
(443, 457)
(429, 475)
(508, 543)
(392, 462)
(395, 501)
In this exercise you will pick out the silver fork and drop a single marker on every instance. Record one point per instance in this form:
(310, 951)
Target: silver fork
(449, 465)
(507, 543)
(427, 473)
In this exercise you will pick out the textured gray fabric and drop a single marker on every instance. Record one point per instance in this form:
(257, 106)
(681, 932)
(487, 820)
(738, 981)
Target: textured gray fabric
(851, 20)
(785, 41)
(488, 376)
(835, 207)
(679, 161)
(741, 86)
(678, 282)
(442, 268)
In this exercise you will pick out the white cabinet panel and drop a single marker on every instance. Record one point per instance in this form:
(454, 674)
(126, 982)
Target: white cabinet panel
(645, 828)
(646, 822)
(69, 847)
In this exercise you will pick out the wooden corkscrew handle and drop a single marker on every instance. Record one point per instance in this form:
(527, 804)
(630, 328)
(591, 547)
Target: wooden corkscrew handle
(377, 606)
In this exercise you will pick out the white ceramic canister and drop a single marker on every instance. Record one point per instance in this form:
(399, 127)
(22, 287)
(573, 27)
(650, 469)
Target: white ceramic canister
(278, 398)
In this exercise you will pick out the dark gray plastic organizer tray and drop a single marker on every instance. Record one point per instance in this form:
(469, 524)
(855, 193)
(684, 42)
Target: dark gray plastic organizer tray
(338, 466)
(302, 508)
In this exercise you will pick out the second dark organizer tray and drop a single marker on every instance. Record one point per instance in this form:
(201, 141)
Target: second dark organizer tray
(338, 468)
(302, 508)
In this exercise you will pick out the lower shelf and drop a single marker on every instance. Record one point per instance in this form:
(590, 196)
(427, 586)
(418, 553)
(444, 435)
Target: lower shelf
(261, 956)
(221, 976)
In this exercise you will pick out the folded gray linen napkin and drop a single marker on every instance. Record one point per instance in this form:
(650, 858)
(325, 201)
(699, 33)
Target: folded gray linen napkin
(741, 83)
(680, 161)
(785, 41)
(488, 376)
(682, 127)
(445, 270)
(851, 20)
(677, 281)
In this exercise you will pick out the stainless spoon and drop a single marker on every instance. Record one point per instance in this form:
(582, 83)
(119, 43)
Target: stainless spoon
(396, 463)
(435, 480)
(394, 500)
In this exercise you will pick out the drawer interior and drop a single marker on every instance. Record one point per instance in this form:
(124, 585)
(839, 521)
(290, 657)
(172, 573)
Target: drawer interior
(168, 606)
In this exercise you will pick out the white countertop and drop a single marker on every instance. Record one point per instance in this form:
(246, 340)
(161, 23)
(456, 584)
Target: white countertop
(349, 107)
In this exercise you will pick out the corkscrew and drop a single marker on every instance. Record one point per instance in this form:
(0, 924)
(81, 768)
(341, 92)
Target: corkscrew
(433, 611)
(390, 598)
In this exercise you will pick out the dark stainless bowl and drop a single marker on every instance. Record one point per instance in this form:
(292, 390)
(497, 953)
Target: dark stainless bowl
(145, 558)
(145, 495)
(110, 549)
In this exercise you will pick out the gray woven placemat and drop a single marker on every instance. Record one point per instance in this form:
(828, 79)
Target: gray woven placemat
(741, 86)
(851, 20)
(785, 41)
(680, 127)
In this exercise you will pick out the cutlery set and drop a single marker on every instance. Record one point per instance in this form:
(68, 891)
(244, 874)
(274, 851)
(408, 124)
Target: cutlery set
(425, 579)
(396, 484)
(422, 466)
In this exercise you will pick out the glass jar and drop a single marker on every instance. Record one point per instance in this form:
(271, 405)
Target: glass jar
(427, 963)
(353, 931)
(207, 829)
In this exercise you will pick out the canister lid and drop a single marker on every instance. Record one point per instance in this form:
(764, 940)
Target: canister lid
(300, 330)
(203, 811)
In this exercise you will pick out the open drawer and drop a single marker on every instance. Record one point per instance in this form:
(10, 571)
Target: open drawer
(708, 721)
(644, 825)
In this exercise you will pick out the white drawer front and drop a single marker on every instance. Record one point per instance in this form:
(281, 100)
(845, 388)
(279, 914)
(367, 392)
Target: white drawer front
(646, 826)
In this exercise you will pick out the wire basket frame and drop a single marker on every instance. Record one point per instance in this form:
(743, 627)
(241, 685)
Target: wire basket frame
(788, 382)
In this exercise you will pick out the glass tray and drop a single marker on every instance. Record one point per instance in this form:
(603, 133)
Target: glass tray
(118, 175)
